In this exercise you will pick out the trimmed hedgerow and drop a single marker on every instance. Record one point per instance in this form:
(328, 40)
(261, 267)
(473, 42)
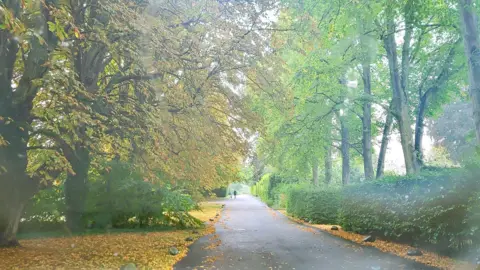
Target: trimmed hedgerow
(272, 189)
(435, 208)
(317, 205)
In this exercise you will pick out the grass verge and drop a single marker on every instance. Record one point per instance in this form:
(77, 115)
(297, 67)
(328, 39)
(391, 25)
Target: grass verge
(146, 249)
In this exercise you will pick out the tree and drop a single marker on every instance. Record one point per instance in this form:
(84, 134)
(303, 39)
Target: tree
(399, 81)
(85, 85)
(432, 93)
(469, 20)
(25, 52)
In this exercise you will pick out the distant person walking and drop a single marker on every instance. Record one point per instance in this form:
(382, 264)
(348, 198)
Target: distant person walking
(234, 194)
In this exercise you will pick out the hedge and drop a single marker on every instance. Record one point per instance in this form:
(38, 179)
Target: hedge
(318, 205)
(272, 189)
(262, 189)
(436, 208)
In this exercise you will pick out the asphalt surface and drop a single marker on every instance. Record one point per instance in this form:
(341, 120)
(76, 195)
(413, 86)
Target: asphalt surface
(250, 235)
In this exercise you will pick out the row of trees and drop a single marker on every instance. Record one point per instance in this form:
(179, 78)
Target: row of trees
(154, 84)
(347, 72)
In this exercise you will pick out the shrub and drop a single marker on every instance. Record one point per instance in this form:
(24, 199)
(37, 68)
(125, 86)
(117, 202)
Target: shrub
(123, 199)
(45, 211)
(120, 198)
(432, 208)
(318, 205)
(272, 189)
(262, 189)
(220, 192)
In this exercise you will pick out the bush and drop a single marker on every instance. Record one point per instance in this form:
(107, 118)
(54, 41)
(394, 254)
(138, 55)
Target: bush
(317, 205)
(272, 189)
(44, 212)
(434, 208)
(262, 189)
(220, 192)
(120, 199)
(123, 199)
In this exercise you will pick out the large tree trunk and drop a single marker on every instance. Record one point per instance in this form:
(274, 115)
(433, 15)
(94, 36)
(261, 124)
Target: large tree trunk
(315, 171)
(384, 144)
(16, 186)
(345, 149)
(367, 125)
(472, 52)
(399, 84)
(76, 188)
(11, 211)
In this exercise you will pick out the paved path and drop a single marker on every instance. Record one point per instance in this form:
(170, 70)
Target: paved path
(252, 236)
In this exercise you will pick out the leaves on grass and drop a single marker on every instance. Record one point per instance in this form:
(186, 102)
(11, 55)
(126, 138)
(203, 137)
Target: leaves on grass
(108, 251)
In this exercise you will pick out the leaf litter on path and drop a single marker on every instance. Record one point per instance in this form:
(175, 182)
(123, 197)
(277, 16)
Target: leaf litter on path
(428, 258)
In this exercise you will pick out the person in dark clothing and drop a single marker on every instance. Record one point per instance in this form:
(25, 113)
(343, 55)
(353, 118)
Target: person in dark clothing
(234, 194)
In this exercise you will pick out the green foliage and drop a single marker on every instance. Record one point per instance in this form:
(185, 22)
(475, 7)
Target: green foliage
(273, 189)
(220, 192)
(45, 211)
(122, 198)
(262, 189)
(436, 207)
(316, 205)
(119, 198)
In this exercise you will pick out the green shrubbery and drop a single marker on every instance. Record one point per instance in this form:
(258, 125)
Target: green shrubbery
(437, 208)
(316, 205)
(118, 199)
(262, 189)
(273, 188)
(45, 211)
(434, 208)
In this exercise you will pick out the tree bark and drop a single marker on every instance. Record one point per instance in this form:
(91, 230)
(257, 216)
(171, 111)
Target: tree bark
(328, 164)
(315, 171)
(367, 124)
(17, 187)
(419, 128)
(328, 152)
(399, 84)
(11, 212)
(472, 52)
(345, 149)
(76, 188)
(384, 145)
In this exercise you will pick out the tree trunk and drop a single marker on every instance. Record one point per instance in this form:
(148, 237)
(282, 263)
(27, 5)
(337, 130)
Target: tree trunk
(315, 171)
(328, 151)
(345, 149)
(16, 186)
(11, 213)
(76, 188)
(367, 125)
(400, 106)
(472, 52)
(384, 145)
(419, 128)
